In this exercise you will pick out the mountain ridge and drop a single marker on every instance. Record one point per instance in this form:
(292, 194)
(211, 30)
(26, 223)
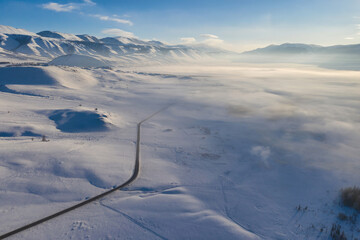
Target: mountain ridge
(301, 48)
(49, 45)
(52, 44)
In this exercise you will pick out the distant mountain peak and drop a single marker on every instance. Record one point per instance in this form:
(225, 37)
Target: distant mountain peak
(286, 48)
(11, 30)
(58, 35)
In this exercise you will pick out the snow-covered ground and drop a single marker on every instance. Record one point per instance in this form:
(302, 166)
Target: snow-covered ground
(239, 150)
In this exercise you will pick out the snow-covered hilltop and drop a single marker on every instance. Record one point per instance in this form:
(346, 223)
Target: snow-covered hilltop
(11, 30)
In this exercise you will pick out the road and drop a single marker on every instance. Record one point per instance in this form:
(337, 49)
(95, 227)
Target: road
(133, 177)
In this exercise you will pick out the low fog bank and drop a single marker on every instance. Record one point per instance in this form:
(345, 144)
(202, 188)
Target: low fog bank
(293, 114)
(329, 61)
(341, 57)
(269, 137)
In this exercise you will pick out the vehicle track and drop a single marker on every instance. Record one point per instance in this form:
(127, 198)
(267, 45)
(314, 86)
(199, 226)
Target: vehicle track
(90, 200)
(134, 221)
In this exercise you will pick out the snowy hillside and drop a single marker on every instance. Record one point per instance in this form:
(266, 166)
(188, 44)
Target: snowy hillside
(12, 30)
(62, 36)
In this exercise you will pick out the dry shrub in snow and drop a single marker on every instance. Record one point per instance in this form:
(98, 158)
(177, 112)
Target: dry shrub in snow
(350, 197)
(336, 233)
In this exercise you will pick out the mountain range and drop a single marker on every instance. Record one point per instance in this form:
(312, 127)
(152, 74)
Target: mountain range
(299, 48)
(48, 45)
(51, 44)
(340, 57)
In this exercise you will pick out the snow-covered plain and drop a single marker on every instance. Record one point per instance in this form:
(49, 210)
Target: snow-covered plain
(241, 146)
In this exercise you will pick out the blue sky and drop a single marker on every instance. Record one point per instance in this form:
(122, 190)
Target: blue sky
(232, 24)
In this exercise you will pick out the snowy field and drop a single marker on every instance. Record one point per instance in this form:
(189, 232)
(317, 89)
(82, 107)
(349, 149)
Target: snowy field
(239, 149)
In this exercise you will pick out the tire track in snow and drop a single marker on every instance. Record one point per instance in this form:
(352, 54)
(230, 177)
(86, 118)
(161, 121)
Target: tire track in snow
(133, 221)
(227, 210)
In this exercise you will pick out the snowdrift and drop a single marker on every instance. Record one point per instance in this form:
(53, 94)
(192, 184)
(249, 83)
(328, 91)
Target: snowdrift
(72, 121)
(75, 60)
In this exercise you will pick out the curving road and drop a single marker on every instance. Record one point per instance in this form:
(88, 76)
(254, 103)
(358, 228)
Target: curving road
(90, 200)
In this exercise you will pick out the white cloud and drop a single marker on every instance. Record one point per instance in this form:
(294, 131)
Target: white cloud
(214, 42)
(209, 36)
(207, 39)
(59, 7)
(89, 2)
(68, 7)
(188, 40)
(118, 32)
(349, 38)
(113, 19)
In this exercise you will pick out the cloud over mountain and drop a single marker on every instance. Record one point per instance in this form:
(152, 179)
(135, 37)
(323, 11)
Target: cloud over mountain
(118, 32)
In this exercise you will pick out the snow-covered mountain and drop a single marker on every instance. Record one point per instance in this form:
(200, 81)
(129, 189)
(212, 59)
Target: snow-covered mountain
(47, 45)
(286, 48)
(334, 57)
(299, 48)
(51, 44)
(58, 35)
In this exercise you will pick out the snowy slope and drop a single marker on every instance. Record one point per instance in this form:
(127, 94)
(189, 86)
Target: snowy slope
(47, 76)
(88, 38)
(11, 30)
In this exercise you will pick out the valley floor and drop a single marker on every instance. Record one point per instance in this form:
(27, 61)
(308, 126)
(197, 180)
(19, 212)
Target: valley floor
(236, 154)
